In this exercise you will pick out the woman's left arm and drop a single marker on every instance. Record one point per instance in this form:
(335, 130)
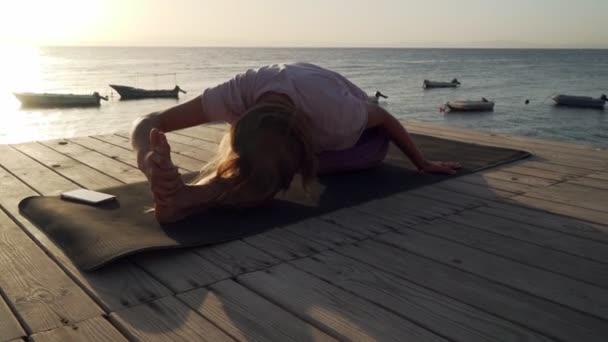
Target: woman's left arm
(379, 117)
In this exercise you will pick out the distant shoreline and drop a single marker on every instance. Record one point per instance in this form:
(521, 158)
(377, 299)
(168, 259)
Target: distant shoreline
(326, 47)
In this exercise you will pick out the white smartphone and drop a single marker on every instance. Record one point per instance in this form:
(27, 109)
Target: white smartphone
(87, 196)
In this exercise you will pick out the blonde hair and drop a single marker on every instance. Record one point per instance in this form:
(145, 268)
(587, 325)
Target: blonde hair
(260, 156)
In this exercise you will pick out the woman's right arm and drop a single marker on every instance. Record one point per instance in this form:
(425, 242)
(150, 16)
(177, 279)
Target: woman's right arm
(184, 115)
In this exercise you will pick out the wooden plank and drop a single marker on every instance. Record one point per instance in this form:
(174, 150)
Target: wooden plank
(591, 272)
(480, 191)
(575, 195)
(591, 182)
(30, 171)
(408, 209)
(247, 316)
(97, 329)
(118, 285)
(538, 174)
(75, 171)
(599, 175)
(515, 141)
(194, 142)
(284, 245)
(513, 176)
(565, 170)
(10, 328)
(586, 298)
(546, 317)
(324, 233)
(180, 270)
(439, 313)
(510, 186)
(354, 219)
(551, 156)
(202, 150)
(547, 220)
(40, 292)
(166, 319)
(336, 312)
(561, 209)
(237, 257)
(203, 133)
(98, 161)
(188, 163)
(555, 240)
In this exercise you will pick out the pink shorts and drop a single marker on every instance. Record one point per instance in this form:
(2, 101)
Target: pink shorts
(370, 151)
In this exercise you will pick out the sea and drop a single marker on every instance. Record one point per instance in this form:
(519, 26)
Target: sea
(508, 77)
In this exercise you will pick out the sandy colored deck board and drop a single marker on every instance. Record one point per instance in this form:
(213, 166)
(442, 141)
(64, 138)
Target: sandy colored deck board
(98, 161)
(575, 195)
(180, 270)
(591, 182)
(331, 309)
(519, 141)
(510, 185)
(516, 306)
(599, 175)
(589, 271)
(204, 133)
(247, 316)
(549, 238)
(578, 212)
(10, 328)
(510, 174)
(194, 142)
(96, 329)
(439, 313)
(75, 171)
(283, 244)
(552, 156)
(109, 143)
(166, 319)
(237, 257)
(41, 293)
(586, 298)
(548, 220)
(31, 171)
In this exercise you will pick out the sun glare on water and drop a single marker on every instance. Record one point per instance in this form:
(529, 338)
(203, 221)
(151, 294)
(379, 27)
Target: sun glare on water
(24, 25)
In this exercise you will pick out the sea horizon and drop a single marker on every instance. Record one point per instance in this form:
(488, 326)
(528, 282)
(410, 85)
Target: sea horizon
(508, 76)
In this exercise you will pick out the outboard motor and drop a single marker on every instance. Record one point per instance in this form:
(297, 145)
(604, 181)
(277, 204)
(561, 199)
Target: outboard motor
(455, 81)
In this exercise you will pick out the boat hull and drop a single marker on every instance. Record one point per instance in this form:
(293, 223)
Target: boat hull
(432, 85)
(46, 100)
(131, 93)
(579, 101)
(471, 106)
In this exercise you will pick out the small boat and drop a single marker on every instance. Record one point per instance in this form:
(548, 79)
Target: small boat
(580, 101)
(432, 84)
(48, 100)
(131, 93)
(376, 97)
(471, 106)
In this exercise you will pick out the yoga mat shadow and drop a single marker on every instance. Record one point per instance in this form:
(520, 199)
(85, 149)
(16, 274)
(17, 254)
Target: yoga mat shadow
(92, 236)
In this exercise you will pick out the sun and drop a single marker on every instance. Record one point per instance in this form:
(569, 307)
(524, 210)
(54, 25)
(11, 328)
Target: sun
(56, 22)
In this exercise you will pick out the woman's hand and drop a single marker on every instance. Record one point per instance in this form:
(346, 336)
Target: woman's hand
(442, 167)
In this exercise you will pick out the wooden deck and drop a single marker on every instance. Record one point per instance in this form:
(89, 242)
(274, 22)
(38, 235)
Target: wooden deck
(516, 253)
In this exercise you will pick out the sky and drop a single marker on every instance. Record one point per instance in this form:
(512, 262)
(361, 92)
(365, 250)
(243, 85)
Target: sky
(306, 23)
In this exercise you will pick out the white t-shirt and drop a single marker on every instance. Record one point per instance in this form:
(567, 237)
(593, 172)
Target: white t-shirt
(336, 107)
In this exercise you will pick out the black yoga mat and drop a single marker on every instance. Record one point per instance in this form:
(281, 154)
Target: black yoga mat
(95, 235)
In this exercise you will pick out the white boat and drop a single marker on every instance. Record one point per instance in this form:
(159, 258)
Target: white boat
(376, 97)
(433, 84)
(471, 106)
(580, 101)
(47, 100)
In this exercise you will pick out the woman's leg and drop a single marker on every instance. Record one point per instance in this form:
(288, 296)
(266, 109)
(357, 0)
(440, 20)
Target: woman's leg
(370, 151)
